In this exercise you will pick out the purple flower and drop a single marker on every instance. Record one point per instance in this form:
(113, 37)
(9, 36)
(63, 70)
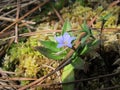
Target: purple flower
(64, 40)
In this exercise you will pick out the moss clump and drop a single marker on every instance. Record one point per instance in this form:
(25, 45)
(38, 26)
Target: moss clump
(77, 14)
(24, 60)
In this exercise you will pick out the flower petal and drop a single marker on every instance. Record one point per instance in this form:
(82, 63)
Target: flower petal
(71, 39)
(66, 37)
(59, 39)
(69, 45)
(65, 40)
(60, 45)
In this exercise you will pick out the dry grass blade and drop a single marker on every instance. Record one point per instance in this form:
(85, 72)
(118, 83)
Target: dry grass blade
(17, 78)
(13, 20)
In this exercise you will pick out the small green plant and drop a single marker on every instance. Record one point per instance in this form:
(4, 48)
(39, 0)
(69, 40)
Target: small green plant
(58, 48)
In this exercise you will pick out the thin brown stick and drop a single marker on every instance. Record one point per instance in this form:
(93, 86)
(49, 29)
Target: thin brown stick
(6, 47)
(6, 72)
(6, 34)
(3, 36)
(17, 78)
(25, 15)
(114, 3)
(52, 31)
(16, 25)
(111, 88)
(15, 86)
(13, 20)
(58, 15)
(18, 86)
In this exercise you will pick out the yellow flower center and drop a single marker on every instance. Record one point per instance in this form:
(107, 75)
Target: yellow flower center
(65, 42)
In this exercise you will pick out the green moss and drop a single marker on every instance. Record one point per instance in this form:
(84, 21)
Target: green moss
(77, 14)
(23, 59)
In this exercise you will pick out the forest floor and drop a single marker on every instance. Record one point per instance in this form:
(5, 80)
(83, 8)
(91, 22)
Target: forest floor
(24, 23)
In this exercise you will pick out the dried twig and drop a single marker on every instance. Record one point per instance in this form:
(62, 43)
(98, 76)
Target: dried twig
(58, 15)
(17, 79)
(13, 20)
(4, 36)
(16, 25)
(73, 30)
(7, 72)
(114, 3)
(116, 87)
(6, 47)
(16, 86)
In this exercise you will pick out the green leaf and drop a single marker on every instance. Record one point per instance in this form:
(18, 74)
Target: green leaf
(106, 17)
(84, 39)
(95, 42)
(78, 63)
(85, 27)
(49, 53)
(85, 49)
(51, 45)
(68, 76)
(66, 27)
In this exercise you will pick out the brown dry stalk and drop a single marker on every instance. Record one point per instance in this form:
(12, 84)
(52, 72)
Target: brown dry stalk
(116, 87)
(17, 17)
(17, 78)
(58, 15)
(15, 86)
(6, 34)
(114, 3)
(13, 20)
(52, 31)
